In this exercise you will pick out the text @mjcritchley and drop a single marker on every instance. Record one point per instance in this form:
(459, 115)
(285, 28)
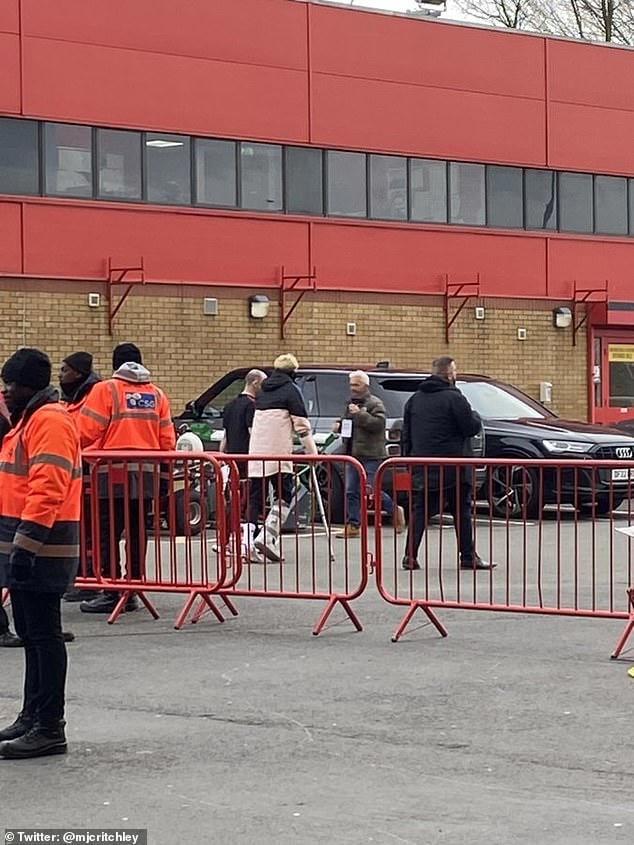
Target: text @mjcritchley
(76, 836)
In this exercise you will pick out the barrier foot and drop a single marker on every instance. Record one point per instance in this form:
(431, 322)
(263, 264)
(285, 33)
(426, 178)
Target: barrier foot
(233, 610)
(435, 621)
(205, 604)
(125, 596)
(628, 629)
(329, 609)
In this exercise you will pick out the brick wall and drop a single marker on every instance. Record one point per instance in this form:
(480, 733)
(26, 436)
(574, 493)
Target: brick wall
(187, 350)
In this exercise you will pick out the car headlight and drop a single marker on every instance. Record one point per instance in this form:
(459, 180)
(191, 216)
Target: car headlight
(570, 446)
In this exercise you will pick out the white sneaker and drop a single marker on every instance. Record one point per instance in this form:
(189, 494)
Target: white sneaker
(271, 550)
(255, 556)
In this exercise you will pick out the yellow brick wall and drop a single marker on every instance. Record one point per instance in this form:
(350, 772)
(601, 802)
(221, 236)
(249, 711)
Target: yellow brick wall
(186, 350)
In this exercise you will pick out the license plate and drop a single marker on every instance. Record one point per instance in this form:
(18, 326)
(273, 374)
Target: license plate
(622, 474)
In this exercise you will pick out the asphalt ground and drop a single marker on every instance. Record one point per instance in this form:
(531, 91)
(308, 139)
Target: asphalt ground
(514, 728)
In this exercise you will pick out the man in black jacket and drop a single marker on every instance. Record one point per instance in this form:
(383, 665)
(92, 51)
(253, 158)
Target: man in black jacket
(438, 421)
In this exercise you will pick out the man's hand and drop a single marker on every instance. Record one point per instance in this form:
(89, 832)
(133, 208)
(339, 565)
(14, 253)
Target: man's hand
(337, 427)
(21, 564)
(353, 409)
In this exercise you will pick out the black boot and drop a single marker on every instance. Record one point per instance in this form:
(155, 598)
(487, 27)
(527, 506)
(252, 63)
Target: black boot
(101, 603)
(21, 725)
(9, 640)
(79, 595)
(39, 741)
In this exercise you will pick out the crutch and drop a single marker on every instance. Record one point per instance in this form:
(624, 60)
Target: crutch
(320, 505)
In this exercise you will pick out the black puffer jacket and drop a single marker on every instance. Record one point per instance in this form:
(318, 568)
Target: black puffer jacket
(438, 421)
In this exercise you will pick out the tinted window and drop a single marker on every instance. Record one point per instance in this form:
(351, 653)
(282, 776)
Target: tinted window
(215, 406)
(68, 160)
(428, 190)
(216, 172)
(307, 386)
(505, 207)
(540, 199)
(19, 171)
(346, 184)
(261, 176)
(119, 155)
(394, 392)
(575, 202)
(466, 183)
(492, 402)
(610, 205)
(304, 180)
(333, 390)
(388, 187)
(168, 168)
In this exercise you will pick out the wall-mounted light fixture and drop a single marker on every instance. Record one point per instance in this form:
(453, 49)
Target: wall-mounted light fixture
(562, 317)
(259, 306)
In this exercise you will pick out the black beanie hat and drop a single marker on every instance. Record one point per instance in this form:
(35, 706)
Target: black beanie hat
(125, 352)
(28, 368)
(81, 362)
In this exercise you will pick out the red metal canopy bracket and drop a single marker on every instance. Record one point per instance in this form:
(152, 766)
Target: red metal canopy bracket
(291, 283)
(118, 276)
(582, 296)
(464, 291)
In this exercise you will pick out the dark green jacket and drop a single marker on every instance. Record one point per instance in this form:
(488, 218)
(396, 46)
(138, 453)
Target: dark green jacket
(368, 429)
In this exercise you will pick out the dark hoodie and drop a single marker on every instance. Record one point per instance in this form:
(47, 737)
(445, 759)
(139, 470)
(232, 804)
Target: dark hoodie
(74, 394)
(279, 393)
(438, 421)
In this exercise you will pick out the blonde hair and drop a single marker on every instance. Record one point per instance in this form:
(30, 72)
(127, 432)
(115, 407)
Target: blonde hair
(360, 374)
(286, 361)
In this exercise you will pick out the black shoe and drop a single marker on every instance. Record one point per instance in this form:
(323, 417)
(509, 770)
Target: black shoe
(68, 636)
(79, 595)
(477, 563)
(132, 604)
(410, 563)
(101, 603)
(9, 640)
(37, 742)
(21, 725)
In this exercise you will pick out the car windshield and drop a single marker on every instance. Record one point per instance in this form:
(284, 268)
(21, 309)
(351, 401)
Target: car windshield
(493, 402)
(394, 392)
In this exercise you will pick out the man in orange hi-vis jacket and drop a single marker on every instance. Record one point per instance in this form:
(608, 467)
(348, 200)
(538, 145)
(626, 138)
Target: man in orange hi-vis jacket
(125, 412)
(40, 500)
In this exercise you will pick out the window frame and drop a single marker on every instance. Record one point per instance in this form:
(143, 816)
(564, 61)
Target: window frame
(196, 201)
(43, 139)
(146, 169)
(97, 168)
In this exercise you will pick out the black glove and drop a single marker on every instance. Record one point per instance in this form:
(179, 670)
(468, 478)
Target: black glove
(21, 564)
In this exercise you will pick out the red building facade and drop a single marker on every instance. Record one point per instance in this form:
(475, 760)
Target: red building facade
(443, 155)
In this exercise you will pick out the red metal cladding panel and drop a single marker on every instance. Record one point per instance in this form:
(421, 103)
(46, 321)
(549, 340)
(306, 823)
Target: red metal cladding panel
(424, 52)
(60, 240)
(392, 259)
(124, 87)
(435, 122)
(271, 32)
(591, 74)
(10, 16)
(9, 73)
(595, 139)
(590, 263)
(10, 242)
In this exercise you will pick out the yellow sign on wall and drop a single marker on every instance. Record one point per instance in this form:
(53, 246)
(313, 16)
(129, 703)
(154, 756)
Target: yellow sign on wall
(621, 352)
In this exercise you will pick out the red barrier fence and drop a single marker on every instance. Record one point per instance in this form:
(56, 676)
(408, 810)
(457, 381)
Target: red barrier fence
(551, 527)
(143, 504)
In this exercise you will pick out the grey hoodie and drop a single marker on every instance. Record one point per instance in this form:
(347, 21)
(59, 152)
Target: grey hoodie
(134, 373)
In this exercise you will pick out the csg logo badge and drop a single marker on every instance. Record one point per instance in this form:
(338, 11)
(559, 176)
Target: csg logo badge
(141, 401)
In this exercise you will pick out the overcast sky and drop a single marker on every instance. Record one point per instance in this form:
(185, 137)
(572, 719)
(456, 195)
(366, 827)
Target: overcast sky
(404, 6)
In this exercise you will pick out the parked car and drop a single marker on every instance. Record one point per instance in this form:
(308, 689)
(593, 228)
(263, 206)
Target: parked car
(514, 426)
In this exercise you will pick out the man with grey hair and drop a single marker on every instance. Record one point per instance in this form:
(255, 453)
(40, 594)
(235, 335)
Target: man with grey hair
(238, 416)
(362, 428)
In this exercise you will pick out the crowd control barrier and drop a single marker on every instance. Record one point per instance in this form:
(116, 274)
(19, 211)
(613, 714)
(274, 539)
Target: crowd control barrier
(184, 522)
(284, 544)
(154, 522)
(552, 527)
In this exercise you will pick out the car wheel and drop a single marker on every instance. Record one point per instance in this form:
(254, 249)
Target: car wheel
(188, 513)
(331, 489)
(513, 491)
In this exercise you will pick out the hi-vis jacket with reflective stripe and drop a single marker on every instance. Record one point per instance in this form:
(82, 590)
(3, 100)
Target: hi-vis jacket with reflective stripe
(40, 494)
(127, 412)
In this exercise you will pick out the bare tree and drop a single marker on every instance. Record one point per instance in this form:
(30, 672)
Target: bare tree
(591, 20)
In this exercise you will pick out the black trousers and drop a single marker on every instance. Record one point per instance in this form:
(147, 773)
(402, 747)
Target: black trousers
(458, 501)
(129, 515)
(4, 620)
(283, 488)
(38, 622)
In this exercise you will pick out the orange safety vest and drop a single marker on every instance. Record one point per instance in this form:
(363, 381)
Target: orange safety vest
(40, 496)
(124, 415)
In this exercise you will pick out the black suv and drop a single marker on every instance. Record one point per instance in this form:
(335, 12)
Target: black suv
(514, 426)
